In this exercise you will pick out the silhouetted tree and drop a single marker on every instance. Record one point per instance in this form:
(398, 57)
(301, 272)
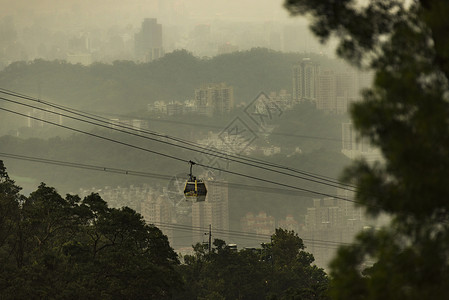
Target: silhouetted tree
(405, 114)
(279, 270)
(54, 247)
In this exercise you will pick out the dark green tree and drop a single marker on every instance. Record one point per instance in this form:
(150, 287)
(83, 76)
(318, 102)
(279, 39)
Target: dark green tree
(279, 270)
(55, 247)
(223, 273)
(10, 200)
(293, 275)
(405, 114)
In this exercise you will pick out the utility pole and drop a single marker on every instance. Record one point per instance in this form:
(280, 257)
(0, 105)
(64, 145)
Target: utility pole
(210, 237)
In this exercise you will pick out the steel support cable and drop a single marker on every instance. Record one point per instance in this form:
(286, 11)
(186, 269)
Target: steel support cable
(236, 234)
(180, 159)
(243, 233)
(142, 174)
(171, 144)
(307, 243)
(6, 91)
(118, 124)
(333, 244)
(128, 172)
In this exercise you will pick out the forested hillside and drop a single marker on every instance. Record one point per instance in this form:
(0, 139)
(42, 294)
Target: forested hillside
(126, 86)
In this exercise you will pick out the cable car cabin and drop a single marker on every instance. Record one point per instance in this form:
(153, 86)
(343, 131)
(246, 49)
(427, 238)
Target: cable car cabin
(195, 190)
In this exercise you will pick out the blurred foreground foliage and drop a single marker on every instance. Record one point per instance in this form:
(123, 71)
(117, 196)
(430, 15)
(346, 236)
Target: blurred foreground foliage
(406, 115)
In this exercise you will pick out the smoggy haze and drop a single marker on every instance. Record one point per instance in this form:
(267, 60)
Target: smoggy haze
(134, 10)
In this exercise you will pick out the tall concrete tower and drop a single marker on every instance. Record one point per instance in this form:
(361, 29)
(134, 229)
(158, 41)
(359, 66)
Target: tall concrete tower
(148, 42)
(305, 76)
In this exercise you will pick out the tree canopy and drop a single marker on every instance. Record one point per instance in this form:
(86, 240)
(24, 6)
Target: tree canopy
(55, 247)
(281, 269)
(71, 248)
(405, 114)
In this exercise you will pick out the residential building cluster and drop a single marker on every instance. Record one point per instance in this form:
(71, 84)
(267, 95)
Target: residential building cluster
(136, 124)
(331, 91)
(157, 206)
(327, 224)
(238, 138)
(331, 222)
(43, 118)
(264, 224)
(214, 210)
(209, 100)
(225, 143)
(214, 99)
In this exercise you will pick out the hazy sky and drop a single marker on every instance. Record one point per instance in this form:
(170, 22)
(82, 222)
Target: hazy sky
(126, 11)
(51, 22)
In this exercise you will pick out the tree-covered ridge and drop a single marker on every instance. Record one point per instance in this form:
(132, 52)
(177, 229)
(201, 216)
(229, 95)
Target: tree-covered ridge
(71, 248)
(125, 85)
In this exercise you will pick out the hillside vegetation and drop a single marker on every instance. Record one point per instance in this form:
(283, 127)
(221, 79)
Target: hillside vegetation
(126, 86)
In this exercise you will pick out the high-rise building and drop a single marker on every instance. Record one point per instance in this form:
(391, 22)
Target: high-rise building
(336, 91)
(39, 118)
(259, 224)
(334, 221)
(156, 209)
(326, 94)
(227, 48)
(305, 80)
(214, 99)
(289, 223)
(346, 90)
(346, 84)
(148, 42)
(174, 108)
(353, 146)
(214, 210)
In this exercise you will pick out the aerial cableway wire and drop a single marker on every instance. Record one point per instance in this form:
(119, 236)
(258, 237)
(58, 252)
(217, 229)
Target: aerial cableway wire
(6, 91)
(180, 159)
(237, 234)
(255, 237)
(204, 125)
(208, 151)
(144, 174)
(242, 235)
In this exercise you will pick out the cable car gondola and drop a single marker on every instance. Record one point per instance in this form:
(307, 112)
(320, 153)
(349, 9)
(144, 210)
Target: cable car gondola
(195, 189)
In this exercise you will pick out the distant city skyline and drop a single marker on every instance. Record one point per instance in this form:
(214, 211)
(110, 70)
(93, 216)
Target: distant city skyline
(246, 10)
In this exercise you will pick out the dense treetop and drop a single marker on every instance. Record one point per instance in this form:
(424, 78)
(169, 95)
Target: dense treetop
(55, 247)
(405, 114)
(69, 248)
